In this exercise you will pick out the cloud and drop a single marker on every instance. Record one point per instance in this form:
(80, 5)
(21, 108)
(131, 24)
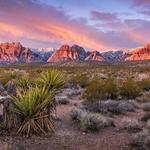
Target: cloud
(37, 24)
(104, 16)
(141, 2)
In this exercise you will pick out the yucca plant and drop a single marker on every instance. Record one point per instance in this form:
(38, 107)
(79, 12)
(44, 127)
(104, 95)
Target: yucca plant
(33, 103)
(32, 107)
(51, 79)
(24, 83)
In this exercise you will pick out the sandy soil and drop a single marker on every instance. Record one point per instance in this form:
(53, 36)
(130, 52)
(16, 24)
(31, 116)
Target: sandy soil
(69, 136)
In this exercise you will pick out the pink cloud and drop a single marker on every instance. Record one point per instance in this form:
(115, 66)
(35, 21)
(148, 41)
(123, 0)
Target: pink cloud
(32, 22)
(141, 2)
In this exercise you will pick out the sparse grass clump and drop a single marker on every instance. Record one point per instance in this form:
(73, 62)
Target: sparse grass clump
(129, 88)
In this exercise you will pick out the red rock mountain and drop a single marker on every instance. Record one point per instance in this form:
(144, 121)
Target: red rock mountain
(94, 56)
(16, 53)
(139, 54)
(67, 53)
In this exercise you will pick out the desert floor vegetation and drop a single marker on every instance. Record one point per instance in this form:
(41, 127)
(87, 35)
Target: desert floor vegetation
(75, 107)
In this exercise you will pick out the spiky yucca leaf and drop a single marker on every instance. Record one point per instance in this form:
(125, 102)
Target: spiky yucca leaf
(24, 83)
(29, 103)
(51, 79)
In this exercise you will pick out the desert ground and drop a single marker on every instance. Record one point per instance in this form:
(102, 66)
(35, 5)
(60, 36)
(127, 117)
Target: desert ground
(102, 107)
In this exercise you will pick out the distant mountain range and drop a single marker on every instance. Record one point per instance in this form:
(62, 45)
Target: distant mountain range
(16, 53)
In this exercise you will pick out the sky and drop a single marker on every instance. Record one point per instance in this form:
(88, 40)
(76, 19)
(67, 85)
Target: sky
(92, 24)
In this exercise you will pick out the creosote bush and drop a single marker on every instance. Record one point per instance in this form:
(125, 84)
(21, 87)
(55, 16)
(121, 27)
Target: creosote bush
(145, 84)
(99, 89)
(80, 79)
(129, 88)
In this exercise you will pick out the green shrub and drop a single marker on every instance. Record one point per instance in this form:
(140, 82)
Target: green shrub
(80, 79)
(100, 89)
(129, 88)
(145, 84)
(4, 79)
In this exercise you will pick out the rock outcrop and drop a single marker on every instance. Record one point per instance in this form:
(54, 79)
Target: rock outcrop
(94, 56)
(16, 53)
(67, 53)
(139, 54)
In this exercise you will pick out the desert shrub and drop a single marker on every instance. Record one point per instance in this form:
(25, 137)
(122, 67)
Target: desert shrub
(131, 125)
(145, 84)
(4, 79)
(146, 117)
(91, 122)
(13, 75)
(63, 100)
(129, 88)
(110, 88)
(80, 79)
(146, 106)
(31, 107)
(94, 122)
(75, 114)
(99, 89)
(140, 141)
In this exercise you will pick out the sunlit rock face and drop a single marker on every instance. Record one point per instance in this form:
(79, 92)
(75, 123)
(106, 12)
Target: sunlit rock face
(67, 53)
(139, 54)
(16, 53)
(94, 56)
